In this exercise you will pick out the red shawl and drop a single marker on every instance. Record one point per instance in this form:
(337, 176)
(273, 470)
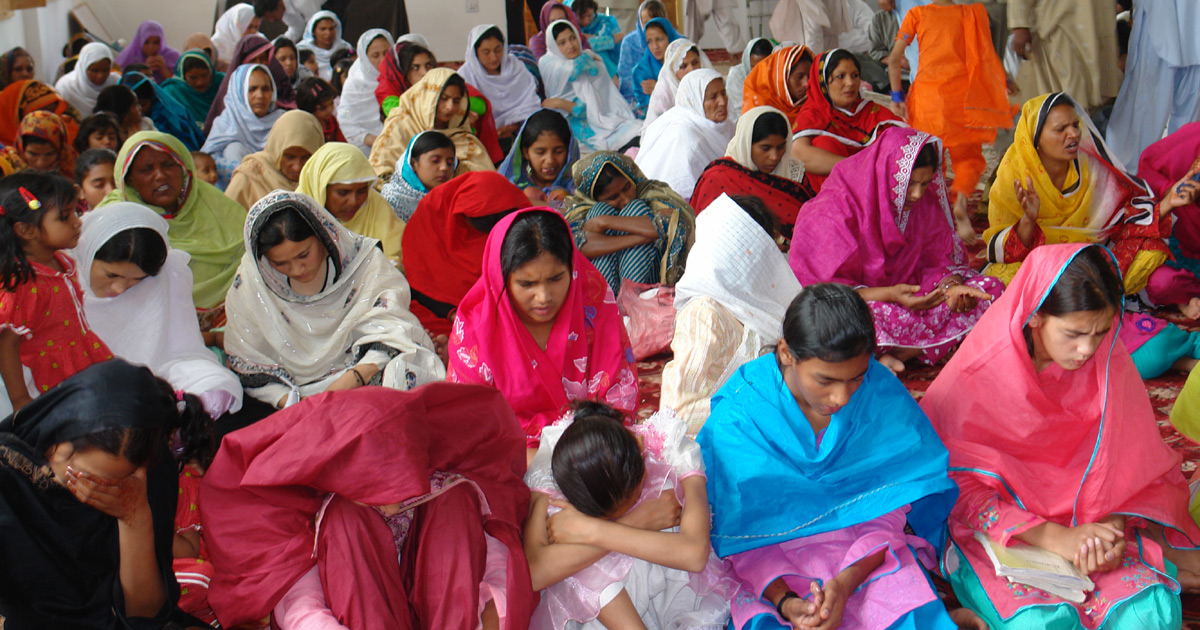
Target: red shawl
(372, 445)
(725, 176)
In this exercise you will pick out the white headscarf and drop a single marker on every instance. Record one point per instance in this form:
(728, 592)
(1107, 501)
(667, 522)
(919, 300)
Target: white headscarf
(154, 322)
(741, 147)
(230, 28)
(357, 110)
(303, 343)
(735, 84)
(415, 38)
(735, 263)
(75, 86)
(678, 146)
(610, 123)
(513, 92)
(663, 96)
(238, 124)
(324, 67)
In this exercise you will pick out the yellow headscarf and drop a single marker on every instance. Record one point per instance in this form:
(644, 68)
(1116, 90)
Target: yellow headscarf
(341, 163)
(259, 173)
(415, 113)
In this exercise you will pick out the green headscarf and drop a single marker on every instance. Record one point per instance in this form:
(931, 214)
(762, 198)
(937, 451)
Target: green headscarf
(208, 225)
(197, 103)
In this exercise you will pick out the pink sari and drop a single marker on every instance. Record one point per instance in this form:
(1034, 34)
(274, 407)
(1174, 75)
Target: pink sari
(1065, 447)
(588, 355)
(859, 231)
(1162, 165)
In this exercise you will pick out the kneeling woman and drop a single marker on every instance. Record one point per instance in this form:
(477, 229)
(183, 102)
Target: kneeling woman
(372, 509)
(851, 464)
(316, 308)
(1071, 462)
(631, 227)
(541, 325)
(898, 246)
(591, 540)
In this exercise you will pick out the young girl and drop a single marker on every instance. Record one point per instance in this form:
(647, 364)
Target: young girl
(591, 545)
(659, 34)
(851, 465)
(99, 131)
(757, 50)
(43, 335)
(428, 162)
(633, 46)
(122, 103)
(42, 144)
(541, 159)
(1071, 461)
(193, 446)
(94, 177)
(317, 97)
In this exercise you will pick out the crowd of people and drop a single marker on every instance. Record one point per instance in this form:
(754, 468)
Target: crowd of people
(313, 335)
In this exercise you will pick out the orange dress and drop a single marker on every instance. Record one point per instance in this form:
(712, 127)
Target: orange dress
(959, 94)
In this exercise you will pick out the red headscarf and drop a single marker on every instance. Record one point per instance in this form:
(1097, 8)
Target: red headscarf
(376, 446)
(22, 97)
(393, 80)
(767, 82)
(442, 252)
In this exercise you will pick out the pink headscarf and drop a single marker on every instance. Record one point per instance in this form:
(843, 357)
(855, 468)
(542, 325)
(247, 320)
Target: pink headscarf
(588, 354)
(537, 43)
(1070, 446)
(133, 52)
(857, 230)
(1162, 165)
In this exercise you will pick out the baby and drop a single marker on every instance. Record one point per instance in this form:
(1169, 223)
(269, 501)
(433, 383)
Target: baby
(206, 167)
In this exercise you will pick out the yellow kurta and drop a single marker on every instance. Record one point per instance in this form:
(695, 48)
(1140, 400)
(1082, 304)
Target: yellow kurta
(1074, 48)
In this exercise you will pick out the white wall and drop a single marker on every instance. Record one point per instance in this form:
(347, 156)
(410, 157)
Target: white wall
(445, 23)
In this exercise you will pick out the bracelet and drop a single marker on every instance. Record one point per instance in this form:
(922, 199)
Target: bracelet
(897, 96)
(358, 376)
(786, 596)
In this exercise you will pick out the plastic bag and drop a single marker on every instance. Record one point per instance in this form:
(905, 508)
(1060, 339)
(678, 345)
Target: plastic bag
(649, 314)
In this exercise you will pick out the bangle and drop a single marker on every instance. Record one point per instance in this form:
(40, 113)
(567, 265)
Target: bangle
(786, 596)
(897, 96)
(358, 376)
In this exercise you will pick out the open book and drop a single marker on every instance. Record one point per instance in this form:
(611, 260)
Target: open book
(1037, 567)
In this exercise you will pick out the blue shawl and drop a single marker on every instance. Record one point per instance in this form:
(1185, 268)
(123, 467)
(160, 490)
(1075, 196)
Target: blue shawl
(769, 483)
(648, 67)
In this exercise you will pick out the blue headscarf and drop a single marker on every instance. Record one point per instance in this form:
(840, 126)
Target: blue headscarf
(769, 482)
(513, 166)
(405, 190)
(649, 67)
(169, 115)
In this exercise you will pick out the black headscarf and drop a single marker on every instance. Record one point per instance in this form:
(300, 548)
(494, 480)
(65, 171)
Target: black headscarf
(61, 557)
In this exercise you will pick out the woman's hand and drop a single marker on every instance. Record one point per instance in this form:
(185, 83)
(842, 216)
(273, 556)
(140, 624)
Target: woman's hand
(1093, 547)
(1184, 192)
(122, 499)
(899, 109)
(962, 298)
(508, 131)
(648, 86)
(825, 610)
(355, 377)
(158, 65)
(906, 295)
(1022, 42)
(561, 104)
(1027, 196)
(570, 526)
(472, 118)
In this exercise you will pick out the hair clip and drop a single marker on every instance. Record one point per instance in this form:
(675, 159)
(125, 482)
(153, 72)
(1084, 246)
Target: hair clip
(3, 212)
(179, 393)
(30, 200)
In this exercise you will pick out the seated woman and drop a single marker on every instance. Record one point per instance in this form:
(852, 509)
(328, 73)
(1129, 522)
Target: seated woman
(757, 50)
(88, 502)
(196, 84)
(659, 33)
(1162, 165)
(149, 47)
(428, 163)
(550, 13)
(155, 170)
(629, 226)
(836, 121)
(1100, 489)
(854, 466)
(541, 159)
(357, 110)
(633, 46)
(682, 57)
(323, 37)
(678, 146)
(93, 72)
(502, 78)
(541, 326)
(22, 97)
(372, 509)
(252, 49)
(292, 141)
(122, 104)
(437, 102)
(1058, 183)
(578, 85)
(444, 242)
(340, 179)
(779, 81)
(15, 65)
(601, 561)
(235, 23)
(242, 129)
(758, 162)
(42, 145)
(137, 295)
(316, 308)
(897, 245)
(169, 115)
(729, 304)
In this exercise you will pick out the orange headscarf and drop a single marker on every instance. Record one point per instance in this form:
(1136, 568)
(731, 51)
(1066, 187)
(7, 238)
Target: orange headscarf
(767, 82)
(51, 128)
(21, 98)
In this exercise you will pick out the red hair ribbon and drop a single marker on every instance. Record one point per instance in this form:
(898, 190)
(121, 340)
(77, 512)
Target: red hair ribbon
(30, 200)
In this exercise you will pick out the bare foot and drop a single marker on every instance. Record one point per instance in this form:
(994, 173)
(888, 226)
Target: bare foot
(892, 363)
(1191, 310)
(1185, 364)
(962, 222)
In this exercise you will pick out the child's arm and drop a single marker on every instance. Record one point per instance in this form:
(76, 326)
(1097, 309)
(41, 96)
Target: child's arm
(186, 544)
(686, 550)
(11, 370)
